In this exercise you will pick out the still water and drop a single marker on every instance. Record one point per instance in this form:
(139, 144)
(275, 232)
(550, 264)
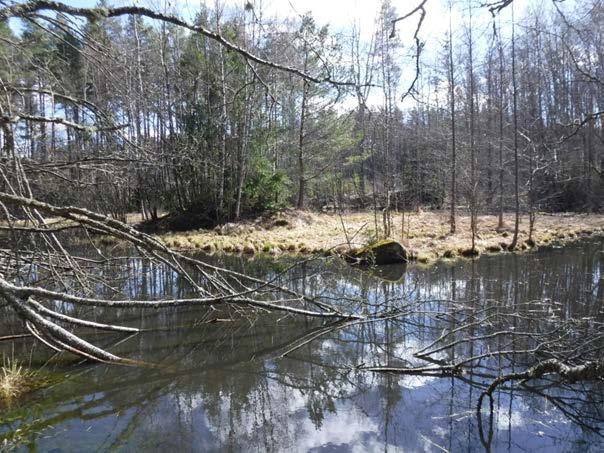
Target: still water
(274, 382)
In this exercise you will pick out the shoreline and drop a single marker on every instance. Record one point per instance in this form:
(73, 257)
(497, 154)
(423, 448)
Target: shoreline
(426, 234)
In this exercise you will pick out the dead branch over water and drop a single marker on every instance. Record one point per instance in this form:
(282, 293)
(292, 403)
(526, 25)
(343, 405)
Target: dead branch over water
(533, 344)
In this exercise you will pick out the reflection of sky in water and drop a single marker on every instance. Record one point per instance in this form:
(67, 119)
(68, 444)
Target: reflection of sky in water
(228, 389)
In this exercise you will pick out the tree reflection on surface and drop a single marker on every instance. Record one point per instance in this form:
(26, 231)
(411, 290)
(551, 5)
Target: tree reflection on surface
(284, 383)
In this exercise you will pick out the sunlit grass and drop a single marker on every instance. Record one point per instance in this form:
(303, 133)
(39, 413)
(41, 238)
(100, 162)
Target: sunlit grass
(426, 234)
(16, 380)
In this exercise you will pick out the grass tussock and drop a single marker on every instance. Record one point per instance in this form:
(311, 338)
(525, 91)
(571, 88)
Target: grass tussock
(426, 234)
(16, 381)
(494, 248)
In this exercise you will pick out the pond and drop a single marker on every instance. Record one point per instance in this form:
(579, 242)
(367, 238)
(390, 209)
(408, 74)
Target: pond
(229, 380)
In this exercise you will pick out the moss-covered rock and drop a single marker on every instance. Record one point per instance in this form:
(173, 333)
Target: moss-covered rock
(381, 252)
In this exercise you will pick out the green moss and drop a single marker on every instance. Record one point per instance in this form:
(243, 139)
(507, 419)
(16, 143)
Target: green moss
(385, 251)
(379, 243)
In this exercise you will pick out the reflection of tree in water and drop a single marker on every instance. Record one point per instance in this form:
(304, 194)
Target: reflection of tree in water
(246, 383)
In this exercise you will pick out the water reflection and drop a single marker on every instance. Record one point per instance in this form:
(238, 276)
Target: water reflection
(228, 382)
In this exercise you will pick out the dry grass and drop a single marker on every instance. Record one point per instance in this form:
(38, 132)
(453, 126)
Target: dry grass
(426, 234)
(17, 380)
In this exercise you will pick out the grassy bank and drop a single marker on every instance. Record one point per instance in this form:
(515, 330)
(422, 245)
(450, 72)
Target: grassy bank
(425, 233)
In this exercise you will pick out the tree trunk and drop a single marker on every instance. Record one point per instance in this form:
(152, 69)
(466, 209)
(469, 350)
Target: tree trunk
(515, 118)
(452, 220)
(301, 177)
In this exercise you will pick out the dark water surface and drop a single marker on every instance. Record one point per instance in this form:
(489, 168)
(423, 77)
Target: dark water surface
(227, 386)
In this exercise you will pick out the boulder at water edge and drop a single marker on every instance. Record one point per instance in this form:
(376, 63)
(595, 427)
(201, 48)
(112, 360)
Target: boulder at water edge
(381, 252)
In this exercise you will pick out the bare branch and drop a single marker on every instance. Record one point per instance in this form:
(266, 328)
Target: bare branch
(95, 14)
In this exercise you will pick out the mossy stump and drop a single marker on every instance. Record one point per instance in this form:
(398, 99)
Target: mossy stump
(379, 253)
